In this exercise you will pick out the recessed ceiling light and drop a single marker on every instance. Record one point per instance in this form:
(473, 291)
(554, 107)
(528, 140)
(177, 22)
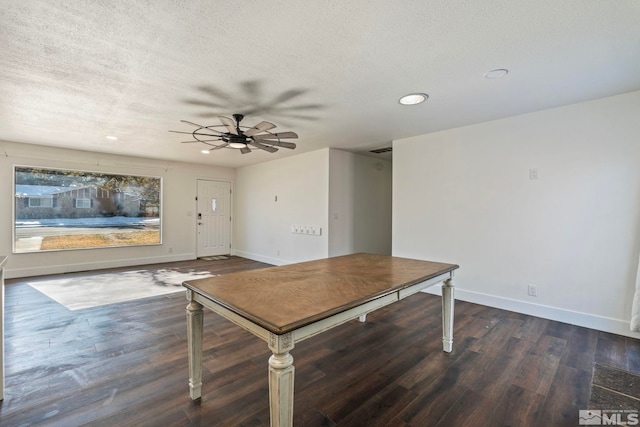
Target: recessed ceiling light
(496, 74)
(413, 98)
(112, 138)
(205, 151)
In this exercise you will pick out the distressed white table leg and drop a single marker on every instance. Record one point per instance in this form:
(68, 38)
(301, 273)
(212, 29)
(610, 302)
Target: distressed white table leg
(194, 337)
(447, 315)
(281, 380)
(363, 318)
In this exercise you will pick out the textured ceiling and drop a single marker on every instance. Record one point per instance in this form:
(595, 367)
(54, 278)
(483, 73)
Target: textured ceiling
(73, 72)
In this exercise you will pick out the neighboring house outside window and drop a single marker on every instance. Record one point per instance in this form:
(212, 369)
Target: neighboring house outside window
(40, 201)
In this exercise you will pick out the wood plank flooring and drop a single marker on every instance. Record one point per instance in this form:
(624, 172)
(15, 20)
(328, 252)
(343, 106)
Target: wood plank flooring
(125, 364)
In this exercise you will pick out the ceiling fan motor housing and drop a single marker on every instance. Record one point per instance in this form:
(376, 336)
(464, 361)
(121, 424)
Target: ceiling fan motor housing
(238, 139)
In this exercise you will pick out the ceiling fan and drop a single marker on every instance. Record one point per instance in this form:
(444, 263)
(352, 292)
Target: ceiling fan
(243, 138)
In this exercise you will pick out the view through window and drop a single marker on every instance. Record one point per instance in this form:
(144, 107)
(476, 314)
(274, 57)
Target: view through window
(66, 209)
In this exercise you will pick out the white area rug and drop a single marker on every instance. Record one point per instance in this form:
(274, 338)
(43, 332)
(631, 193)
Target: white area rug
(79, 291)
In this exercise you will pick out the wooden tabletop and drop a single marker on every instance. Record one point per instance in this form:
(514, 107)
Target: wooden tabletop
(282, 299)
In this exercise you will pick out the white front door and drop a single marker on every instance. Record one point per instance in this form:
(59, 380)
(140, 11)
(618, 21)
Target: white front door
(213, 218)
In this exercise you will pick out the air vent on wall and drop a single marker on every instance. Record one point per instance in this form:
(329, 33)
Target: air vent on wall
(381, 150)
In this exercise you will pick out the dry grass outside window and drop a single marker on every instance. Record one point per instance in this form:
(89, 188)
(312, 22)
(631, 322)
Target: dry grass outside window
(75, 241)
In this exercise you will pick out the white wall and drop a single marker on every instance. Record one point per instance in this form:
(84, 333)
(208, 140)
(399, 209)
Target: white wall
(465, 196)
(179, 191)
(341, 206)
(262, 225)
(342, 192)
(359, 204)
(372, 202)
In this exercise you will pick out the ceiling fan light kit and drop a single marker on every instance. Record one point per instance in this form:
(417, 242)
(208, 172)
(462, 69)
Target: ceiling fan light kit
(236, 137)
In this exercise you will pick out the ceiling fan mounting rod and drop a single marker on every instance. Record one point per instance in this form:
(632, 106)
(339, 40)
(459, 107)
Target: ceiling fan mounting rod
(238, 118)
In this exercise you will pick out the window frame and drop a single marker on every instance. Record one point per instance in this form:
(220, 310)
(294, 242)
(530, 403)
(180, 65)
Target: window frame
(114, 207)
(83, 199)
(41, 198)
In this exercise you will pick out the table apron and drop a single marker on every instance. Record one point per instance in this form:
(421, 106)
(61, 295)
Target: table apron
(403, 293)
(322, 325)
(355, 312)
(245, 324)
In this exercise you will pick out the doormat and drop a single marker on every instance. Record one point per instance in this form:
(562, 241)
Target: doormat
(614, 392)
(214, 258)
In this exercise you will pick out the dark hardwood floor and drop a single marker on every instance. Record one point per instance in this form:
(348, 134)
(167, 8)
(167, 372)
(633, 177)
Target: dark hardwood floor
(125, 364)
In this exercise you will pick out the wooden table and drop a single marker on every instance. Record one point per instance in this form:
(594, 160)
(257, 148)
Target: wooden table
(287, 304)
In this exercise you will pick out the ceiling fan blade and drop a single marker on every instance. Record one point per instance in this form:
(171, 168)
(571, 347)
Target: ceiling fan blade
(276, 143)
(285, 144)
(229, 123)
(260, 127)
(245, 150)
(277, 135)
(268, 148)
(286, 135)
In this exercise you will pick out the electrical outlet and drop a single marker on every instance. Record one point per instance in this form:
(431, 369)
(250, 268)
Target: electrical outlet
(532, 290)
(302, 229)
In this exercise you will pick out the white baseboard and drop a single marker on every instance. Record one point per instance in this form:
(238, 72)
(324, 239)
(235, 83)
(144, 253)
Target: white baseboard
(591, 321)
(94, 265)
(261, 258)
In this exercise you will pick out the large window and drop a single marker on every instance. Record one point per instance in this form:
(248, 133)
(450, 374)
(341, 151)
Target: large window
(58, 209)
